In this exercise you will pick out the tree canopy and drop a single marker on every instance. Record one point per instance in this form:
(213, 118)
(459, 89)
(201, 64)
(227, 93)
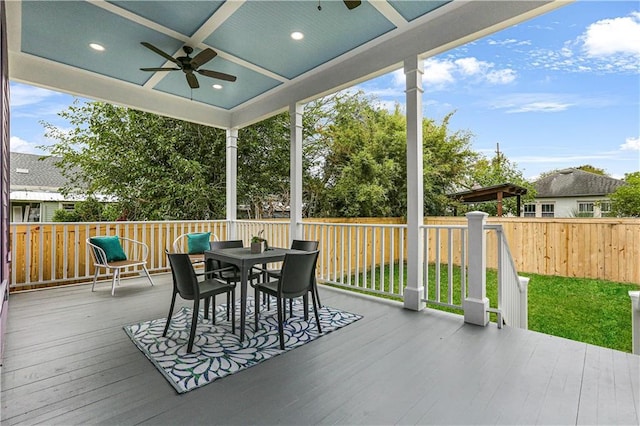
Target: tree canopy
(625, 200)
(354, 161)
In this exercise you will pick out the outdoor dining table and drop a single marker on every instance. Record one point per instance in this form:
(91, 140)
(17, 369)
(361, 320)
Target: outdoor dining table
(244, 259)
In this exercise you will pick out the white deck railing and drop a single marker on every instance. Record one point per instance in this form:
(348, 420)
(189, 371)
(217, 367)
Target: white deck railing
(366, 257)
(512, 289)
(445, 265)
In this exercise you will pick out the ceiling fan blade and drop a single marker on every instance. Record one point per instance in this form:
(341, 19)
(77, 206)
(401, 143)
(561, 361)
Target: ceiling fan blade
(192, 80)
(352, 4)
(218, 75)
(203, 57)
(159, 69)
(160, 52)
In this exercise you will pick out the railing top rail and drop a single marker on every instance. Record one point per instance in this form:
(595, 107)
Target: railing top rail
(119, 222)
(444, 227)
(359, 225)
(495, 226)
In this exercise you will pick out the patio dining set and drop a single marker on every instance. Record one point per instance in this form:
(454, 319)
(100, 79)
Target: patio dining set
(203, 267)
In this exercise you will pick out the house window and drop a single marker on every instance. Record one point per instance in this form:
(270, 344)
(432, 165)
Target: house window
(605, 208)
(548, 210)
(529, 210)
(585, 209)
(68, 207)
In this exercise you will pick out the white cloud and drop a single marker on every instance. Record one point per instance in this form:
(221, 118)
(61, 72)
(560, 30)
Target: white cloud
(504, 76)
(631, 144)
(23, 95)
(469, 66)
(532, 102)
(613, 36)
(20, 145)
(440, 73)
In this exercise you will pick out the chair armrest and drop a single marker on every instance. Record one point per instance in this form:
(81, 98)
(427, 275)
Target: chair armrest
(134, 247)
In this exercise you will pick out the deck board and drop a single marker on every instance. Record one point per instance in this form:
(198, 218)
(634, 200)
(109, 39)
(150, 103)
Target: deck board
(68, 361)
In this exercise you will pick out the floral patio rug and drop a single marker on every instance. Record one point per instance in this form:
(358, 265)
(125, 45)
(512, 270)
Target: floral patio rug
(216, 351)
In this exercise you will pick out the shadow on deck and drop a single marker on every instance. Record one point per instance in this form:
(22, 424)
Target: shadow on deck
(68, 361)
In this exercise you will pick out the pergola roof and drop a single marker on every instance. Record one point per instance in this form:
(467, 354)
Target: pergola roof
(49, 47)
(489, 193)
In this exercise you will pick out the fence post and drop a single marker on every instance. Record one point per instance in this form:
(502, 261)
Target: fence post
(524, 302)
(635, 321)
(476, 303)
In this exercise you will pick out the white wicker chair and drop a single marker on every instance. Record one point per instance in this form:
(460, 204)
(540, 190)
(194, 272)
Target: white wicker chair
(136, 251)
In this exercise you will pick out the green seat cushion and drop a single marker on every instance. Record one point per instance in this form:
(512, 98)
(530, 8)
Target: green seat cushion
(197, 243)
(111, 246)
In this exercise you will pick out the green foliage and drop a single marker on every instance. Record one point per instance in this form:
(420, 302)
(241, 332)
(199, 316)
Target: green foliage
(62, 215)
(363, 150)
(90, 210)
(496, 171)
(354, 161)
(156, 167)
(592, 169)
(625, 200)
(581, 309)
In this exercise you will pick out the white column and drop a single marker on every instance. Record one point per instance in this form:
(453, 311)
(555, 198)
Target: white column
(635, 321)
(232, 182)
(476, 303)
(295, 159)
(414, 292)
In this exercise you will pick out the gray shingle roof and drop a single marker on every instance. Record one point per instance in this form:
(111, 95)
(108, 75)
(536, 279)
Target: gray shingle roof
(575, 183)
(28, 171)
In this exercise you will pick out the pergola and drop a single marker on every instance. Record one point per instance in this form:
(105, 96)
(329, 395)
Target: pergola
(48, 46)
(491, 193)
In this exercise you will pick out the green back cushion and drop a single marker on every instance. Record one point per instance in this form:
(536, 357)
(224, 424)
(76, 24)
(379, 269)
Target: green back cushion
(111, 246)
(199, 242)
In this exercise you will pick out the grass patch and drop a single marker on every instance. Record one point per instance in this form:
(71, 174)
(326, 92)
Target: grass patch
(587, 310)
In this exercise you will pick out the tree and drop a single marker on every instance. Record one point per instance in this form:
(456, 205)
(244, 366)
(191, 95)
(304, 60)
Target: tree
(156, 167)
(495, 171)
(625, 200)
(363, 167)
(90, 210)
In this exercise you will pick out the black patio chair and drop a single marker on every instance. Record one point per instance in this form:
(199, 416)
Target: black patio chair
(226, 271)
(187, 285)
(296, 280)
(304, 245)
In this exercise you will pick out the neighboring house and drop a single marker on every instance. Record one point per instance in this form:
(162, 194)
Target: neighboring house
(34, 186)
(572, 193)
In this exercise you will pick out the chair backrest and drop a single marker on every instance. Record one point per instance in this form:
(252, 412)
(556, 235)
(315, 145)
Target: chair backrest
(298, 272)
(304, 245)
(222, 245)
(181, 243)
(185, 280)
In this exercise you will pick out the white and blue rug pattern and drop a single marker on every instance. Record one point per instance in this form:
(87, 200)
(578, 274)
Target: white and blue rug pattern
(216, 351)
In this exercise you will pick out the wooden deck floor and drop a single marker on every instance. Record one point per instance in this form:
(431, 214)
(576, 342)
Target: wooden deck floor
(68, 361)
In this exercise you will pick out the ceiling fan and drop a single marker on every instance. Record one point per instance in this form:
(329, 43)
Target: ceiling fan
(189, 65)
(352, 4)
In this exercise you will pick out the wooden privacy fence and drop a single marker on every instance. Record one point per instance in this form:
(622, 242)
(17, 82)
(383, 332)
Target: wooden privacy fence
(608, 249)
(50, 253)
(600, 248)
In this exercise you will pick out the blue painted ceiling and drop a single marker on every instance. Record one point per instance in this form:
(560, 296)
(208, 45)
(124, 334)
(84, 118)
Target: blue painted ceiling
(252, 39)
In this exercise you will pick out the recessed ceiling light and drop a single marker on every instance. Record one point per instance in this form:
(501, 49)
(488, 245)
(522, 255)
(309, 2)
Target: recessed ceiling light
(96, 46)
(297, 35)
(217, 86)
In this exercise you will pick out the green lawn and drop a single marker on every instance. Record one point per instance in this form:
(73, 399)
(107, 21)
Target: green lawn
(586, 310)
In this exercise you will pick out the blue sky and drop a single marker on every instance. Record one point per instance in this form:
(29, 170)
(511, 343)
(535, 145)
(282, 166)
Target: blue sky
(561, 90)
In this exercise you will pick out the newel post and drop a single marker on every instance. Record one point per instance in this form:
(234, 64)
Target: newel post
(476, 303)
(635, 320)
